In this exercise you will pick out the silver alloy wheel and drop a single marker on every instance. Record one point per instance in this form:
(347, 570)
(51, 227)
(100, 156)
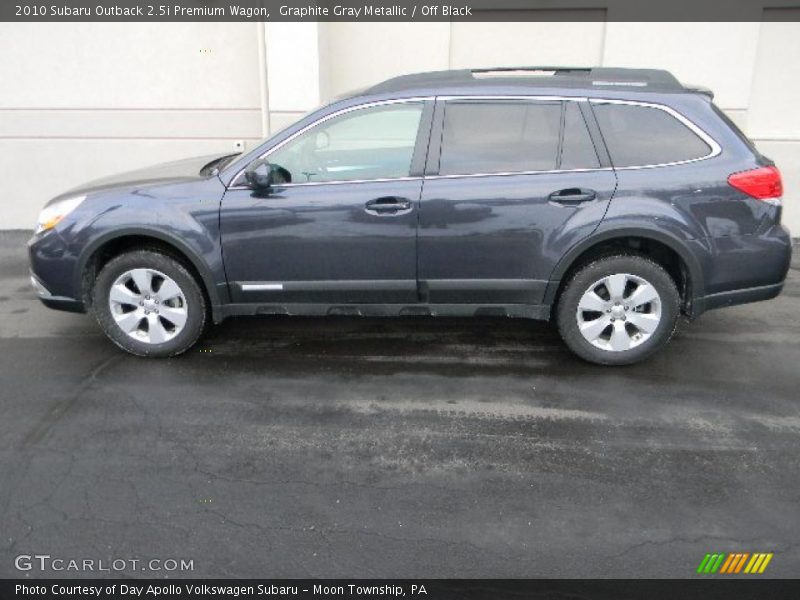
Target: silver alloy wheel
(148, 305)
(619, 312)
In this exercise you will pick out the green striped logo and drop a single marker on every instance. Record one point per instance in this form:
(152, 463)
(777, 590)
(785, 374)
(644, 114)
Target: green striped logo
(734, 563)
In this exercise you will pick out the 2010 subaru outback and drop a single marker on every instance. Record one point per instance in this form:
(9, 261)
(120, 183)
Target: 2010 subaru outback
(609, 200)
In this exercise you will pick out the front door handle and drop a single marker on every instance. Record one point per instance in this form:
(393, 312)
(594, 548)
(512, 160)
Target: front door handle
(572, 196)
(388, 206)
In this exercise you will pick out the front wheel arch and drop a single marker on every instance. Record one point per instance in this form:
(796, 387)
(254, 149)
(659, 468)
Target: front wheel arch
(142, 316)
(110, 246)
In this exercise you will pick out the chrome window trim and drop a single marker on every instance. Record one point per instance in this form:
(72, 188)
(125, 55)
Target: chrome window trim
(416, 99)
(509, 173)
(514, 97)
(337, 182)
(716, 149)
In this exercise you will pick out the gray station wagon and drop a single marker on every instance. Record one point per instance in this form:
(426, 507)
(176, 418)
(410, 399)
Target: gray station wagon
(608, 200)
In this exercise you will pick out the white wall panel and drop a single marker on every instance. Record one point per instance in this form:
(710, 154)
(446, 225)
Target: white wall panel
(775, 99)
(86, 100)
(124, 123)
(91, 99)
(518, 43)
(129, 65)
(293, 66)
(361, 54)
(720, 56)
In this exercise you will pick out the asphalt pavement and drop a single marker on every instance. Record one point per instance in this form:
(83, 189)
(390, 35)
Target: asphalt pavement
(415, 447)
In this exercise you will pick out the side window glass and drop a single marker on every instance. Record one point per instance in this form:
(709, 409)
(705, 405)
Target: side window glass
(499, 137)
(578, 150)
(643, 135)
(368, 143)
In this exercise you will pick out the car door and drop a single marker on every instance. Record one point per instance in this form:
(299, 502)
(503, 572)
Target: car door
(510, 185)
(340, 227)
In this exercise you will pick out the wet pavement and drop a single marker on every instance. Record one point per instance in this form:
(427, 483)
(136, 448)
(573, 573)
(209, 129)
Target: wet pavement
(345, 447)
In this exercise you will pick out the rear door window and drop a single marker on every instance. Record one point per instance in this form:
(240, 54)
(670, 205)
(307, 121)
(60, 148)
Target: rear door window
(500, 137)
(644, 136)
(509, 136)
(577, 151)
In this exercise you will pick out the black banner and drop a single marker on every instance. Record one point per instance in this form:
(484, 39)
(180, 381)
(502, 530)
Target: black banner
(437, 589)
(396, 10)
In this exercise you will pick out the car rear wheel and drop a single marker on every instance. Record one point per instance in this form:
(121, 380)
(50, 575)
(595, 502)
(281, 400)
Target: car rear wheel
(618, 310)
(149, 304)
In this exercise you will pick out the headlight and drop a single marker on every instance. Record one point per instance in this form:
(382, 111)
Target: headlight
(51, 215)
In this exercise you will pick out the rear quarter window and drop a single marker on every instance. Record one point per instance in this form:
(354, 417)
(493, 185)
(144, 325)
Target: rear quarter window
(642, 136)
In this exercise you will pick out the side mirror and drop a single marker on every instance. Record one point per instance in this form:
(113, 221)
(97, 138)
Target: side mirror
(259, 175)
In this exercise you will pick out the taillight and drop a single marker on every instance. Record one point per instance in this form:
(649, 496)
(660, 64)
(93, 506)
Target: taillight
(763, 183)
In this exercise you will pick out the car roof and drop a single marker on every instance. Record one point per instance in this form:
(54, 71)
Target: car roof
(531, 80)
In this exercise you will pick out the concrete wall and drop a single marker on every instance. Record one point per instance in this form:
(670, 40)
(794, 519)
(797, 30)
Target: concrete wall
(81, 101)
(100, 98)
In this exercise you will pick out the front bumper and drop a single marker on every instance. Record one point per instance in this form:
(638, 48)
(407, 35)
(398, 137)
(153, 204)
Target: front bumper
(56, 302)
(53, 272)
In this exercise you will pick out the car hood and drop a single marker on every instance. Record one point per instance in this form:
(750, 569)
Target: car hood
(188, 169)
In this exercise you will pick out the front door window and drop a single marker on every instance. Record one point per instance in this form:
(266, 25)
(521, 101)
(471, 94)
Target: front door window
(364, 144)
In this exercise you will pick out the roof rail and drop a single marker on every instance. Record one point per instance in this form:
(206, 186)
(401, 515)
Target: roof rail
(700, 89)
(652, 79)
(530, 70)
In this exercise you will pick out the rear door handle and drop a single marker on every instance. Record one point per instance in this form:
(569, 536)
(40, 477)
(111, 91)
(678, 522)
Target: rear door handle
(388, 206)
(572, 196)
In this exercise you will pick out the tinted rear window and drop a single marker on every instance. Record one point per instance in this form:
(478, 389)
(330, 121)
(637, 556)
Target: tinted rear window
(641, 135)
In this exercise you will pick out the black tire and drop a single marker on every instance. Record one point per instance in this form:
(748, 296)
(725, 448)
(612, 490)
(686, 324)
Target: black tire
(195, 307)
(586, 277)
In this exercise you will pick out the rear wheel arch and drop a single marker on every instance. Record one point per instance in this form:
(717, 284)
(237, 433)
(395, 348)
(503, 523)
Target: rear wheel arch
(664, 249)
(618, 309)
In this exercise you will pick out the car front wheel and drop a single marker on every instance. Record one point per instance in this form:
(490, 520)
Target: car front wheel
(149, 304)
(618, 310)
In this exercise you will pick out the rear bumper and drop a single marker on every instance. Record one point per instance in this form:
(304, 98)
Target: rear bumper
(734, 297)
(745, 269)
